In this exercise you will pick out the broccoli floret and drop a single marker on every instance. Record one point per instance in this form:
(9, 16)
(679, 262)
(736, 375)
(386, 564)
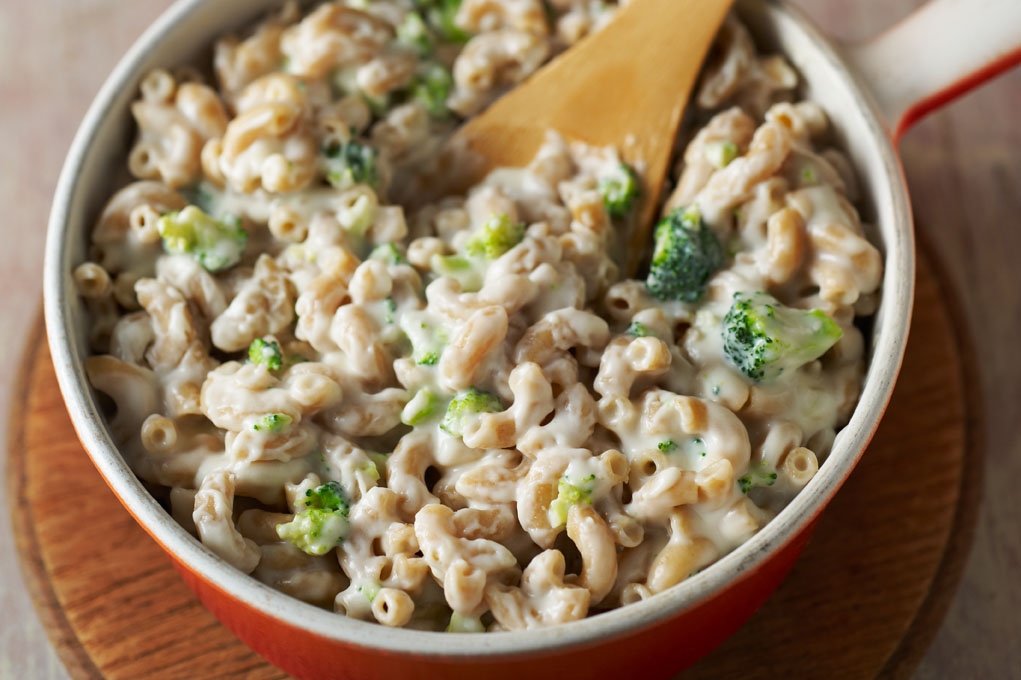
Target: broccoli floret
(427, 338)
(464, 624)
(267, 354)
(351, 163)
(466, 404)
(370, 470)
(570, 493)
(762, 338)
(216, 244)
(440, 15)
(390, 309)
(620, 191)
(421, 408)
(387, 253)
(273, 423)
(322, 524)
(458, 267)
(328, 496)
(495, 237)
(720, 153)
(380, 460)
(431, 88)
(758, 475)
(414, 34)
(686, 255)
(315, 531)
(667, 446)
(638, 330)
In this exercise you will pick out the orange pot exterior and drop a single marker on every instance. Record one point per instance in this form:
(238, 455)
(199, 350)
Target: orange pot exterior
(658, 651)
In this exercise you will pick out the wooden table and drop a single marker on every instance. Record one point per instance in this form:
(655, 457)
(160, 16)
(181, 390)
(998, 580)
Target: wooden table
(963, 166)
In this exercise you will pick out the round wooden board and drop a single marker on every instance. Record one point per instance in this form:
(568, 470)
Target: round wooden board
(863, 601)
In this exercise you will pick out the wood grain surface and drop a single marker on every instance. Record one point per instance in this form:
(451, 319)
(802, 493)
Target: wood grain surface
(854, 606)
(963, 167)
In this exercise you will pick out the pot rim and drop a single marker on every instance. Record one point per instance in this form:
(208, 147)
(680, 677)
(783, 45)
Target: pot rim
(60, 299)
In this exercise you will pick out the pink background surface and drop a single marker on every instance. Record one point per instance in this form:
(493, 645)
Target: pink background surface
(963, 166)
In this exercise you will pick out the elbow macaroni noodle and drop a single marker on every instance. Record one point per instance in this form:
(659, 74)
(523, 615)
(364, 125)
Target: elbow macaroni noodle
(607, 466)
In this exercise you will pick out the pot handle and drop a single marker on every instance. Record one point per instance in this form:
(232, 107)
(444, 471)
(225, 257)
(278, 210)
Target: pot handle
(936, 54)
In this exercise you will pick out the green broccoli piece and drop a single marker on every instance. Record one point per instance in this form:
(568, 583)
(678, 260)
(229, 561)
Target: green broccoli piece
(427, 339)
(458, 267)
(686, 255)
(370, 469)
(495, 237)
(273, 423)
(762, 338)
(316, 532)
(322, 524)
(421, 408)
(267, 354)
(370, 590)
(466, 404)
(390, 308)
(414, 34)
(379, 459)
(351, 163)
(620, 191)
(440, 15)
(570, 493)
(387, 253)
(720, 153)
(638, 330)
(216, 244)
(758, 475)
(667, 446)
(328, 496)
(464, 624)
(431, 87)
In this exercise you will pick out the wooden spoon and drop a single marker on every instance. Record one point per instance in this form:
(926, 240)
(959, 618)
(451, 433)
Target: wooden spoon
(624, 86)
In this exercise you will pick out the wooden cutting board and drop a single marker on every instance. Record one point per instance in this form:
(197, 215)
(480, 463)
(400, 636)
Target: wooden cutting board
(863, 602)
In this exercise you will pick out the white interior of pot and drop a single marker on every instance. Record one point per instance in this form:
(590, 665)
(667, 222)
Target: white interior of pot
(96, 161)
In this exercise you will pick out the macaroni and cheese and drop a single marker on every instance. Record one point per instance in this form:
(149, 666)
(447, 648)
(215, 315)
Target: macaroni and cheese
(464, 417)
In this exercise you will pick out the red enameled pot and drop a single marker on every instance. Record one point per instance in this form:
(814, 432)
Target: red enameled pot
(871, 93)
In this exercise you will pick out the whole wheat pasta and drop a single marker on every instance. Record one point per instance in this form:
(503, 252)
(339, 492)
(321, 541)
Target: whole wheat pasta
(459, 414)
